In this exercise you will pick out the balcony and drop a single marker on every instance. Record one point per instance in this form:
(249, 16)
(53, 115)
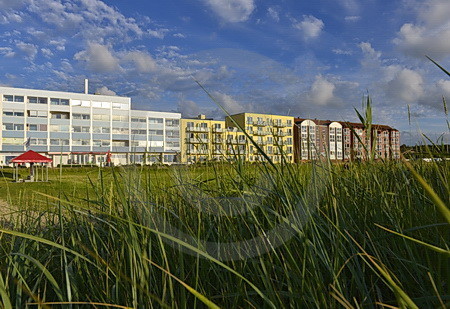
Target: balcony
(236, 141)
(197, 129)
(218, 130)
(280, 124)
(261, 142)
(217, 141)
(260, 133)
(194, 140)
(197, 152)
(281, 133)
(260, 123)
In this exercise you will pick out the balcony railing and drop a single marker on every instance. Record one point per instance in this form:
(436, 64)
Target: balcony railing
(193, 140)
(197, 152)
(281, 124)
(260, 123)
(236, 141)
(218, 130)
(197, 129)
(281, 133)
(217, 141)
(260, 132)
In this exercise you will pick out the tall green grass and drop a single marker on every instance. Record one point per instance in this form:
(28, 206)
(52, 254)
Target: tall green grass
(140, 240)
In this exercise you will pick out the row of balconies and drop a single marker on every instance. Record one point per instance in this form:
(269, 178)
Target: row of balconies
(262, 123)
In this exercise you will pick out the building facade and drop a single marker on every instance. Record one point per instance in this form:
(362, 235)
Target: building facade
(77, 128)
(272, 133)
(339, 141)
(202, 139)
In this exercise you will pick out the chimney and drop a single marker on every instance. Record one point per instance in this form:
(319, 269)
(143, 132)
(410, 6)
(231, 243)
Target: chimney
(86, 86)
(201, 116)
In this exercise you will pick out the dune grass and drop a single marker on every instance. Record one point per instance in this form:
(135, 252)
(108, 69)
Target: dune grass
(141, 238)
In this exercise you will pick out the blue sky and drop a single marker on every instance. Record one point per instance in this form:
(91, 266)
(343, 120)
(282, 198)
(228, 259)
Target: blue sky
(314, 59)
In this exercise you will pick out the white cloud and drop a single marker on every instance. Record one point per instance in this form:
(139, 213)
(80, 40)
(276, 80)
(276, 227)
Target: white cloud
(11, 17)
(352, 18)
(232, 10)
(228, 103)
(321, 92)
(407, 85)
(46, 52)
(7, 52)
(430, 34)
(98, 58)
(339, 51)
(273, 13)
(158, 33)
(143, 62)
(89, 19)
(188, 108)
(29, 50)
(179, 35)
(104, 91)
(350, 5)
(444, 87)
(59, 44)
(310, 26)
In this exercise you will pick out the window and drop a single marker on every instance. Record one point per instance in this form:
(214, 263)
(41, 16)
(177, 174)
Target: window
(56, 101)
(172, 144)
(100, 117)
(33, 100)
(13, 113)
(120, 118)
(39, 114)
(97, 143)
(155, 120)
(81, 116)
(59, 128)
(172, 134)
(38, 141)
(13, 126)
(139, 132)
(12, 141)
(155, 132)
(13, 98)
(81, 142)
(59, 115)
(120, 130)
(33, 127)
(80, 129)
(59, 142)
(42, 100)
(19, 98)
(138, 119)
(172, 122)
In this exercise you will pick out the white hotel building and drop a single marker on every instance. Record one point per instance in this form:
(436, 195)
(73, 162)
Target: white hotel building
(77, 128)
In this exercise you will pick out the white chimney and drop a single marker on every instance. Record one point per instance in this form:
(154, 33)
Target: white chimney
(86, 86)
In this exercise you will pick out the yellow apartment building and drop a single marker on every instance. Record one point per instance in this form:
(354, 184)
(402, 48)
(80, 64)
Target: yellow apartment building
(272, 133)
(202, 139)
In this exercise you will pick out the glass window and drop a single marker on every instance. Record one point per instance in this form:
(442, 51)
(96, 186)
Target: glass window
(42, 100)
(155, 132)
(8, 98)
(155, 120)
(32, 99)
(19, 98)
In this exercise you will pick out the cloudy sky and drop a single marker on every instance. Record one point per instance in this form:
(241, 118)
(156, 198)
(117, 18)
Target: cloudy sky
(313, 59)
